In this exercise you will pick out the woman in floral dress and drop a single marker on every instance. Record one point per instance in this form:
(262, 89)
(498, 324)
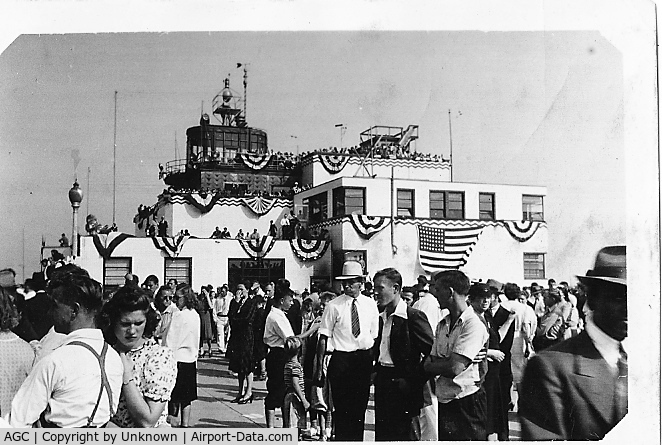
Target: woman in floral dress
(150, 370)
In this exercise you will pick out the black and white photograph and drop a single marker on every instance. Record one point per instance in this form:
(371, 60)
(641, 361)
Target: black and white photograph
(362, 221)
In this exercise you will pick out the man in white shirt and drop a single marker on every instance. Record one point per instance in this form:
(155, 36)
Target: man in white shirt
(350, 324)
(459, 338)
(50, 393)
(430, 306)
(577, 389)
(221, 308)
(167, 308)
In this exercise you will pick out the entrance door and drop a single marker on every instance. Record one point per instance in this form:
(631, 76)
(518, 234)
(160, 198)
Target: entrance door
(241, 270)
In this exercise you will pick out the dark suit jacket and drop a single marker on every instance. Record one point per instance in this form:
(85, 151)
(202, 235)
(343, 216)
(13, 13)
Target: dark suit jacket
(411, 340)
(568, 393)
(498, 320)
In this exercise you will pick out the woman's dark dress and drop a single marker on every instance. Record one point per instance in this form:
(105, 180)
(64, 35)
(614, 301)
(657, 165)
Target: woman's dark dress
(241, 345)
(259, 349)
(496, 420)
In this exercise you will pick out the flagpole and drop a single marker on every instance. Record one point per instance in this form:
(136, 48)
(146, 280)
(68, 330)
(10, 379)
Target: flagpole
(394, 248)
(450, 134)
(114, 159)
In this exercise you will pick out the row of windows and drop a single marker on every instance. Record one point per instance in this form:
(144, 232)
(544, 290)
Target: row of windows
(264, 271)
(443, 204)
(239, 270)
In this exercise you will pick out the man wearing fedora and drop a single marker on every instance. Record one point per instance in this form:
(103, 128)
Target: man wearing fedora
(577, 389)
(350, 324)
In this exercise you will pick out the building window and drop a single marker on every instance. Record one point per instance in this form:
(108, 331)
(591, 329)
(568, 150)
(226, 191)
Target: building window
(340, 256)
(179, 269)
(534, 266)
(532, 208)
(114, 270)
(486, 206)
(263, 271)
(317, 208)
(406, 203)
(348, 200)
(446, 205)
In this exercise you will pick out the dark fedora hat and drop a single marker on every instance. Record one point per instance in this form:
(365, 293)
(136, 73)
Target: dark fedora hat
(610, 266)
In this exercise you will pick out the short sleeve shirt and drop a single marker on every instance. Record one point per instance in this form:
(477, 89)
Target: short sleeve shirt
(466, 338)
(277, 328)
(337, 323)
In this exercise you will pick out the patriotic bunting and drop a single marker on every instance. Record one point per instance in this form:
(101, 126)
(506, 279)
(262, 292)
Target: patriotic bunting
(522, 230)
(309, 250)
(333, 163)
(171, 246)
(105, 244)
(445, 248)
(367, 226)
(255, 161)
(258, 249)
(203, 205)
(259, 205)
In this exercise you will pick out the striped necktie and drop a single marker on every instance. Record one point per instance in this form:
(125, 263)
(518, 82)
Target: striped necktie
(621, 393)
(356, 326)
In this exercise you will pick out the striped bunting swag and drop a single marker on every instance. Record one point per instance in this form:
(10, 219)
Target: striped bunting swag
(105, 244)
(171, 246)
(257, 249)
(445, 248)
(203, 205)
(260, 206)
(367, 226)
(333, 163)
(522, 230)
(309, 250)
(255, 161)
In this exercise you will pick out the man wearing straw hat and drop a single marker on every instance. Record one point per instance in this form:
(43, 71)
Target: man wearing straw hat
(577, 389)
(350, 324)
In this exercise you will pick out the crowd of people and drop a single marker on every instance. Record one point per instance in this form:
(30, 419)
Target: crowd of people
(448, 358)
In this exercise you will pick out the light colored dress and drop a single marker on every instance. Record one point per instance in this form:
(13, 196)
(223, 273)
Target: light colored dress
(16, 360)
(155, 372)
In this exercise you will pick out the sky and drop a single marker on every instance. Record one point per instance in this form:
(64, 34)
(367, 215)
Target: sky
(526, 107)
(550, 92)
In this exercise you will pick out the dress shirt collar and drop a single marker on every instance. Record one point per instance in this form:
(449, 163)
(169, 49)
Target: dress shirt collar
(606, 346)
(278, 311)
(84, 334)
(400, 311)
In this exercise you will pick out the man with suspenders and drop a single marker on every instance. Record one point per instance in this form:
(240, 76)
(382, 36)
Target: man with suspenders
(77, 385)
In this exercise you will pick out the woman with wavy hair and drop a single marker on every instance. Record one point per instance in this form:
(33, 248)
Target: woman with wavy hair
(184, 338)
(149, 369)
(16, 355)
(241, 344)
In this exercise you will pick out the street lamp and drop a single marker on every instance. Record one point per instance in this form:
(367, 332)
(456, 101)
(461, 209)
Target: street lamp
(75, 197)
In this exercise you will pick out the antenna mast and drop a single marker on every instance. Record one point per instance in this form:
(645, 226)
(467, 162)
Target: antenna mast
(114, 159)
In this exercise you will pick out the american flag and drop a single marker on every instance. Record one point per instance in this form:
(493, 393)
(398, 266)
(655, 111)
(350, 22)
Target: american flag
(445, 248)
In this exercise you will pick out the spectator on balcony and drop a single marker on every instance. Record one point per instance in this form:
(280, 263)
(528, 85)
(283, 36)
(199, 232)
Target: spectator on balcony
(240, 235)
(254, 235)
(217, 234)
(163, 227)
(273, 230)
(226, 233)
(64, 241)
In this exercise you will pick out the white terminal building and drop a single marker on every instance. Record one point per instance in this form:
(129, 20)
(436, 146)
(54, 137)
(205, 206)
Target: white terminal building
(380, 202)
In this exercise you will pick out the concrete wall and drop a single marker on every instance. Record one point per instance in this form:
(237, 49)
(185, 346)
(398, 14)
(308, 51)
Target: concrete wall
(496, 254)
